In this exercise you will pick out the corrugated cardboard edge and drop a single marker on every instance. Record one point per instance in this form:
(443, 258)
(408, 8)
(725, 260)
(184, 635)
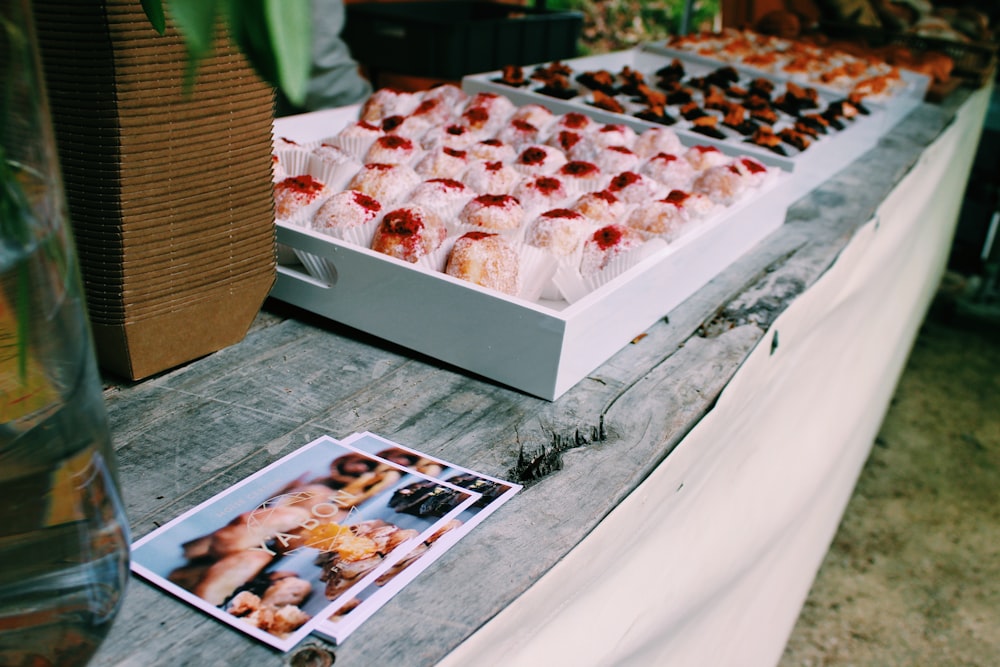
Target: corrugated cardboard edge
(141, 348)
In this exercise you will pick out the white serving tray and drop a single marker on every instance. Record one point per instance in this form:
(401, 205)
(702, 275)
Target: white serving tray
(542, 347)
(826, 156)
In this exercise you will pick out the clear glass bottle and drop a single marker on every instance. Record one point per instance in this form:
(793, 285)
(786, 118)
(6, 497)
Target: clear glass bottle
(64, 542)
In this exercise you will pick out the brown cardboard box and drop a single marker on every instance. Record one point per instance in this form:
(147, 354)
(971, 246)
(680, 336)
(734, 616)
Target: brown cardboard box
(169, 189)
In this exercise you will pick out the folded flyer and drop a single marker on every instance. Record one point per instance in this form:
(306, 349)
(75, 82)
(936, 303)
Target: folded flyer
(421, 499)
(278, 553)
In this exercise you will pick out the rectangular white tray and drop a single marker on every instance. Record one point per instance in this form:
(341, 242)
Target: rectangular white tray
(542, 348)
(826, 156)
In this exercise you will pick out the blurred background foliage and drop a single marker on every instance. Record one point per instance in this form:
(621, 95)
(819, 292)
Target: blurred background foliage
(612, 25)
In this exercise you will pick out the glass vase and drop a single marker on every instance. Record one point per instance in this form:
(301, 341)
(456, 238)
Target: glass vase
(64, 540)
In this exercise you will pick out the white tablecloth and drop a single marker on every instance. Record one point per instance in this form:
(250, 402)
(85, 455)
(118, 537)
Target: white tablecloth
(709, 561)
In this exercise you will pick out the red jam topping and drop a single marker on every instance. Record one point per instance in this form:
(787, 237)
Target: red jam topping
(454, 152)
(391, 123)
(304, 184)
(394, 141)
(366, 202)
(607, 237)
(425, 107)
(706, 149)
(379, 166)
(547, 185)
(564, 213)
(449, 183)
(607, 196)
(491, 142)
(624, 179)
(676, 197)
(575, 120)
(365, 125)
(665, 157)
(455, 130)
(753, 166)
(733, 168)
(402, 222)
(523, 126)
(495, 201)
(579, 168)
(476, 115)
(533, 155)
(611, 127)
(567, 140)
(620, 149)
(476, 236)
(494, 166)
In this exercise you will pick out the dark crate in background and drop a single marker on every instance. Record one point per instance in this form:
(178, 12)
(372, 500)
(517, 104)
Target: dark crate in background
(447, 40)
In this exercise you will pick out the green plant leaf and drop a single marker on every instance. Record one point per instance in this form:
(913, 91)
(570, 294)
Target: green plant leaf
(196, 22)
(289, 25)
(248, 29)
(154, 12)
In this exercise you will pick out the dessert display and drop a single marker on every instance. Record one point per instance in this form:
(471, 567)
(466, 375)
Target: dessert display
(718, 103)
(524, 192)
(798, 60)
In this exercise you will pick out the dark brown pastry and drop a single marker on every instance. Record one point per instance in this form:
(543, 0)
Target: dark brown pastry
(672, 72)
(794, 138)
(766, 138)
(691, 111)
(650, 97)
(598, 80)
(655, 113)
(716, 99)
(765, 115)
(512, 75)
(631, 80)
(736, 119)
(558, 86)
(607, 102)
(679, 96)
(707, 125)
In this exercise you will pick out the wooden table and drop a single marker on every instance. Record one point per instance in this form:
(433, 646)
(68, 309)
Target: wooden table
(188, 434)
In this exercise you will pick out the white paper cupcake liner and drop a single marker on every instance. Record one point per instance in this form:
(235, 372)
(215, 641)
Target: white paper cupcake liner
(318, 267)
(360, 235)
(535, 266)
(578, 186)
(285, 254)
(458, 228)
(574, 286)
(355, 146)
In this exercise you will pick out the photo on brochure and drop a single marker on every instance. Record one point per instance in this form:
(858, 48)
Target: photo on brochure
(421, 498)
(277, 553)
